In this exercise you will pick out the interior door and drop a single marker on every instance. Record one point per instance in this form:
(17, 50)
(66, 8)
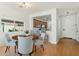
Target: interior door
(68, 26)
(77, 32)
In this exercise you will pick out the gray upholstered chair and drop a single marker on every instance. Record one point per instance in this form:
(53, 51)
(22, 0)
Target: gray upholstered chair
(25, 45)
(7, 41)
(40, 41)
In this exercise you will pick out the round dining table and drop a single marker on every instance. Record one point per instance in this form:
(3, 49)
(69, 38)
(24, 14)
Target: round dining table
(34, 37)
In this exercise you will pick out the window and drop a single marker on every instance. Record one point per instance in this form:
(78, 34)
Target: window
(10, 25)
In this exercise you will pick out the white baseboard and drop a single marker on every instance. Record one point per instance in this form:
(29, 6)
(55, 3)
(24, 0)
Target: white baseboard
(55, 42)
(52, 42)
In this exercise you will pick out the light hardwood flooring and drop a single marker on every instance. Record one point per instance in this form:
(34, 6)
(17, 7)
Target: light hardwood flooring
(65, 47)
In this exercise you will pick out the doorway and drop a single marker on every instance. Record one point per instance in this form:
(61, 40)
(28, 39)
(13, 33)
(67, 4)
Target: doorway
(68, 26)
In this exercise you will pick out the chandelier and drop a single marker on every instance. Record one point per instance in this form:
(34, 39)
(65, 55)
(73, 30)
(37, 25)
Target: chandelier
(24, 4)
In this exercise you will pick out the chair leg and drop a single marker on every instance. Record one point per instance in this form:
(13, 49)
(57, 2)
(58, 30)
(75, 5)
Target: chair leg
(15, 49)
(7, 48)
(30, 53)
(42, 47)
(35, 48)
(20, 54)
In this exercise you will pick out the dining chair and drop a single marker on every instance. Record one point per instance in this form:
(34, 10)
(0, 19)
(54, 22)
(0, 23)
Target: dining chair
(10, 42)
(25, 45)
(10, 34)
(5, 41)
(40, 41)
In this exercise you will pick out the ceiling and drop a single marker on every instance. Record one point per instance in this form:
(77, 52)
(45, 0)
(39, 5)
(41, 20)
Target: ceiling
(39, 6)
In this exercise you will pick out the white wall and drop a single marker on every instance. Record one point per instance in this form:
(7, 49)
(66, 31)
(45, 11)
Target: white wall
(58, 27)
(27, 23)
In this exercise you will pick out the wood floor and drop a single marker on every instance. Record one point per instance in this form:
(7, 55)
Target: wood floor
(65, 47)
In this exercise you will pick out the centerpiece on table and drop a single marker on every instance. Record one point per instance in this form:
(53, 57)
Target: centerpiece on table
(27, 32)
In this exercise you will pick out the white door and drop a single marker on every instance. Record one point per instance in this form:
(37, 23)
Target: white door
(77, 32)
(68, 26)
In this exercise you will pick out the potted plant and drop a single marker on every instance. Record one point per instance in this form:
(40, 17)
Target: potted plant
(11, 30)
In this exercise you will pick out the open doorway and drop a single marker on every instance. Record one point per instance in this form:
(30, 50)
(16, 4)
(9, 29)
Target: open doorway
(42, 24)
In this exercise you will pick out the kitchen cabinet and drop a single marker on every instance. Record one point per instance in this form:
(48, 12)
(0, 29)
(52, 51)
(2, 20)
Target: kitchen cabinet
(38, 23)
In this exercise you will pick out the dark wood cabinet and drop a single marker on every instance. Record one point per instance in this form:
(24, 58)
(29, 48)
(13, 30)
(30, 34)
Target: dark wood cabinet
(38, 23)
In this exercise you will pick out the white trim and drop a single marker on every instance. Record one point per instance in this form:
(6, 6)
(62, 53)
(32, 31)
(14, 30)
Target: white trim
(52, 42)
